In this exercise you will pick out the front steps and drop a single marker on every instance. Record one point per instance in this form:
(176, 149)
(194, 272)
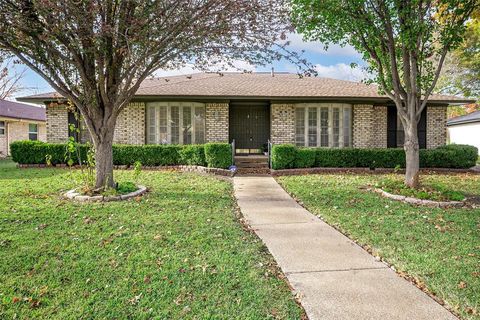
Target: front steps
(252, 164)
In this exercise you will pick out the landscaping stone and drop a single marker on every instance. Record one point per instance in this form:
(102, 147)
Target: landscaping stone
(73, 195)
(420, 202)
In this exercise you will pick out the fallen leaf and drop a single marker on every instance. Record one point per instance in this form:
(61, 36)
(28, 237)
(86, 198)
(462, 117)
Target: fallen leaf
(462, 285)
(147, 279)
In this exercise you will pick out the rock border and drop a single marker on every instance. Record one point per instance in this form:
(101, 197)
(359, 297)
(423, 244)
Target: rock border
(420, 202)
(74, 195)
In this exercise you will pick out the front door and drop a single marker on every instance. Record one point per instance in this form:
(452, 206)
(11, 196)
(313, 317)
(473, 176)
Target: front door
(249, 126)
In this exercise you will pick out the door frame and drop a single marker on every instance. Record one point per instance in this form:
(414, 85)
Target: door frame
(267, 107)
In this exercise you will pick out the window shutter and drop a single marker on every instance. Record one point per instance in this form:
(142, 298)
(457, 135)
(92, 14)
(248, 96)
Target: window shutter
(391, 127)
(422, 130)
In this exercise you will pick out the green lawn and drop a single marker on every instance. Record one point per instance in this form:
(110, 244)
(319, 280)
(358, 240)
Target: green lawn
(7, 163)
(177, 253)
(440, 248)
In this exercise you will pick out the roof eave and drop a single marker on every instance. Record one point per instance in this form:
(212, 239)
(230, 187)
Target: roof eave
(42, 100)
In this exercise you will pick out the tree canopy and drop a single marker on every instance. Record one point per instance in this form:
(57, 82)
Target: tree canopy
(404, 42)
(97, 52)
(462, 69)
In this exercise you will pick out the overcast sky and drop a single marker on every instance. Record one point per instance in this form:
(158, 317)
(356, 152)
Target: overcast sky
(333, 63)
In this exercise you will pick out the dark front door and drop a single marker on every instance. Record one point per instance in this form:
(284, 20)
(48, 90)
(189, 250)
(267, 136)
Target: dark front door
(249, 126)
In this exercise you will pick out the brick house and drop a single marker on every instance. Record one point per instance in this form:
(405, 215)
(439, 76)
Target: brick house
(19, 121)
(253, 108)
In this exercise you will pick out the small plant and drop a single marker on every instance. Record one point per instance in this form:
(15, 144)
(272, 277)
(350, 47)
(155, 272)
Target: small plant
(397, 168)
(48, 160)
(88, 174)
(70, 148)
(126, 187)
(137, 169)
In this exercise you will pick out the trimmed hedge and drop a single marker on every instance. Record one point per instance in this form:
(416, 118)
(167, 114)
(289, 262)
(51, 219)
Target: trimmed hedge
(451, 156)
(283, 156)
(219, 156)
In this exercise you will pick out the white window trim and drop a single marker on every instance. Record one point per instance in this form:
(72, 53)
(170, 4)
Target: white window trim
(330, 106)
(168, 106)
(3, 125)
(32, 132)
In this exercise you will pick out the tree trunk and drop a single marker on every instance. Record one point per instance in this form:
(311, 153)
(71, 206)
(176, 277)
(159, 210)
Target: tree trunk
(412, 154)
(104, 162)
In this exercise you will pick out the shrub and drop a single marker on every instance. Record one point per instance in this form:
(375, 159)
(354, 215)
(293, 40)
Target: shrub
(380, 158)
(193, 155)
(305, 158)
(37, 152)
(326, 157)
(218, 155)
(283, 156)
(148, 155)
(450, 156)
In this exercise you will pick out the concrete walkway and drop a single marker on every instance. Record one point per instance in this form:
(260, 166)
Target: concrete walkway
(335, 278)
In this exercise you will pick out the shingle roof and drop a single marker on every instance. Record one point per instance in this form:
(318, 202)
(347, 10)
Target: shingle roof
(257, 85)
(468, 118)
(9, 109)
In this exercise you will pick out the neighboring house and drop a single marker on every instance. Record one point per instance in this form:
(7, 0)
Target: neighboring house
(19, 121)
(253, 108)
(465, 129)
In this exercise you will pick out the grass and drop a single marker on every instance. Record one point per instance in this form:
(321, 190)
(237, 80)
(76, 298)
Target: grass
(428, 190)
(179, 252)
(440, 248)
(7, 163)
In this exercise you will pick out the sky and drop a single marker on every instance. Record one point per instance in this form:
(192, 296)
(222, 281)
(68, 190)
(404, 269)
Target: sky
(332, 63)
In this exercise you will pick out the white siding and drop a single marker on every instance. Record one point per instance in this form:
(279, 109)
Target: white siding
(468, 133)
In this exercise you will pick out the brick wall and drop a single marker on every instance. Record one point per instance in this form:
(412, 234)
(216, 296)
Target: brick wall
(436, 126)
(363, 117)
(57, 123)
(15, 130)
(282, 125)
(216, 121)
(130, 128)
(369, 126)
(380, 127)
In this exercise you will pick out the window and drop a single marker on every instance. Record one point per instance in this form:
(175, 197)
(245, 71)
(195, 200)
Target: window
(323, 125)
(33, 131)
(2, 128)
(175, 123)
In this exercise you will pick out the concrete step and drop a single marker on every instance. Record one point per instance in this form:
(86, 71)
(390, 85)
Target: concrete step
(252, 159)
(251, 164)
(253, 171)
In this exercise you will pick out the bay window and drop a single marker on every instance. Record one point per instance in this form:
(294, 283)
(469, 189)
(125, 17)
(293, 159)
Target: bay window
(175, 123)
(323, 125)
